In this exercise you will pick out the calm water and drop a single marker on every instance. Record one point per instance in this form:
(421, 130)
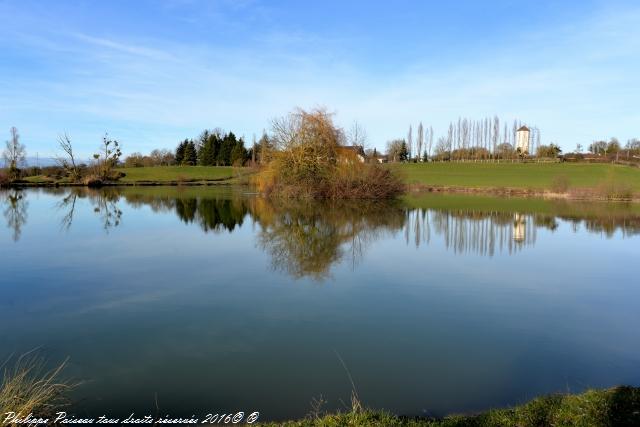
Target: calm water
(214, 300)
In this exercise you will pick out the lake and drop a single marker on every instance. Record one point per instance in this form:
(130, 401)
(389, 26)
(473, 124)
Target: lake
(190, 300)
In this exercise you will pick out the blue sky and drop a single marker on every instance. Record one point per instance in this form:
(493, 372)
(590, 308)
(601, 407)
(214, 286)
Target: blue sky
(154, 72)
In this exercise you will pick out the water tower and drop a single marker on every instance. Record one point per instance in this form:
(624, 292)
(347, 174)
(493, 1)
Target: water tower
(522, 139)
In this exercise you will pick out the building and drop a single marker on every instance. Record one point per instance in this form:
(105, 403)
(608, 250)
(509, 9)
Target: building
(380, 158)
(523, 139)
(519, 227)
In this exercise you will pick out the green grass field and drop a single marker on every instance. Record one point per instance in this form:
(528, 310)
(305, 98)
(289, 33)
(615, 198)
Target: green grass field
(517, 175)
(524, 176)
(181, 173)
(534, 205)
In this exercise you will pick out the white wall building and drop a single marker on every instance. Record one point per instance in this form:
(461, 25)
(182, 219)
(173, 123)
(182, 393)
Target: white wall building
(522, 139)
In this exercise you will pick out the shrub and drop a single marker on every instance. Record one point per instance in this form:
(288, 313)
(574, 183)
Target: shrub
(310, 163)
(613, 189)
(92, 181)
(560, 184)
(4, 178)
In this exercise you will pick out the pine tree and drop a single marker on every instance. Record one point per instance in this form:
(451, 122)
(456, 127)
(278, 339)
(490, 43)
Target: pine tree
(238, 153)
(404, 152)
(190, 154)
(226, 147)
(180, 152)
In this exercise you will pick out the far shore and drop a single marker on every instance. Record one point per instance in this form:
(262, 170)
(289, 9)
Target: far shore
(586, 182)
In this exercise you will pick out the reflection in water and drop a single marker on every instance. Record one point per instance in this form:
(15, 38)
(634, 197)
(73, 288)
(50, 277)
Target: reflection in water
(104, 204)
(307, 238)
(15, 212)
(478, 232)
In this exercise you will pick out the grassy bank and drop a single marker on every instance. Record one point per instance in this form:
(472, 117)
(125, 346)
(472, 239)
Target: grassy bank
(28, 387)
(577, 180)
(539, 176)
(167, 175)
(180, 173)
(534, 205)
(612, 407)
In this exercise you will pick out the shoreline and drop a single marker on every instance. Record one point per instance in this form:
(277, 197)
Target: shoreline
(584, 194)
(618, 406)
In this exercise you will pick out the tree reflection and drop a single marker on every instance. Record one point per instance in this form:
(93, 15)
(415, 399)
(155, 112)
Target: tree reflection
(15, 212)
(307, 239)
(104, 203)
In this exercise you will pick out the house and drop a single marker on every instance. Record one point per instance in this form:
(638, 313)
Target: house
(380, 158)
(351, 153)
(522, 139)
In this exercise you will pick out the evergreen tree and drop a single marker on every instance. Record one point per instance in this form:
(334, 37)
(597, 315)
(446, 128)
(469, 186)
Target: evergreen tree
(238, 154)
(202, 148)
(404, 152)
(203, 152)
(265, 147)
(180, 152)
(214, 147)
(226, 147)
(190, 154)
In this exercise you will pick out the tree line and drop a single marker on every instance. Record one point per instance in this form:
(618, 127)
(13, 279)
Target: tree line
(212, 148)
(466, 139)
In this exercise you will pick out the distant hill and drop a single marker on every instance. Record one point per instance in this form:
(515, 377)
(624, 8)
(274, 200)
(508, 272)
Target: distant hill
(40, 161)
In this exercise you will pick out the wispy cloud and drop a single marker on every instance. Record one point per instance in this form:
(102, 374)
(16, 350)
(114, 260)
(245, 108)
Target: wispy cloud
(576, 81)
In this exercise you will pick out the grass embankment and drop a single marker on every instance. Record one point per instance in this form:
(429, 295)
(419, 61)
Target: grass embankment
(166, 175)
(180, 173)
(525, 176)
(613, 407)
(488, 203)
(575, 180)
(28, 388)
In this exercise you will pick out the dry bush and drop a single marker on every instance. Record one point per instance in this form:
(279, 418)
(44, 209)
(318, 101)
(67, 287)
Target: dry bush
(92, 181)
(307, 163)
(560, 184)
(28, 387)
(613, 189)
(181, 179)
(4, 178)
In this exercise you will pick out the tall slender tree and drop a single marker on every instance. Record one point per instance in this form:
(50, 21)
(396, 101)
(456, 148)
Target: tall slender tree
(14, 153)
(419, 141)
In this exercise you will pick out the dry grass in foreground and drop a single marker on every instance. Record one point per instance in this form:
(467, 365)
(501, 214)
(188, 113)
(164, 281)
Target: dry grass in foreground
(28, 387)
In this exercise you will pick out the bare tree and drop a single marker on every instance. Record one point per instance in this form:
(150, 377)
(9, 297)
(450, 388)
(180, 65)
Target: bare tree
(69, 163)
(14, 153)
(357, 135)
(395, 149)
(496, 133)
(410, 142)
(420, 141)
(430, 141)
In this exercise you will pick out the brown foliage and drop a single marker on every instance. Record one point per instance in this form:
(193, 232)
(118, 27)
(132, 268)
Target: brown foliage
(308, 163)
(560, 184)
